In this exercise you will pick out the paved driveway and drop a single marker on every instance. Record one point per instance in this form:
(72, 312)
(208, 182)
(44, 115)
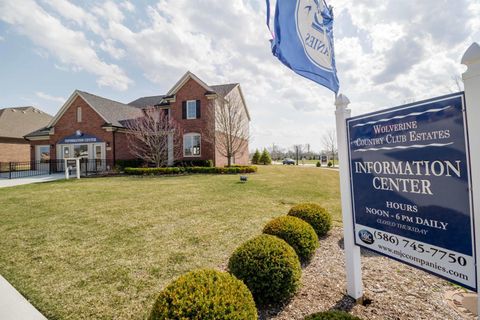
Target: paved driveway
(4, 182)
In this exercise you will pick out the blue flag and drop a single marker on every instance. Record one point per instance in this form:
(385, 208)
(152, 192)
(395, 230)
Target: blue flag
(303, 39)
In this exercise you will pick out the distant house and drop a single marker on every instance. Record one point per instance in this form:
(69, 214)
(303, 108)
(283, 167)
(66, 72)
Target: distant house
(15, 123)
(94, 127)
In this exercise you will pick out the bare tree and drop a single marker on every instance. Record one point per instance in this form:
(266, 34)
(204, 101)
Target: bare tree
(275, 151)
(148, 137)
(231, 125)
(458, 83)
(329, 141)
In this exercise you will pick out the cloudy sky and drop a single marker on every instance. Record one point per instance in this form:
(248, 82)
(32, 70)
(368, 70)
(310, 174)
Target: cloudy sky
(388, 52)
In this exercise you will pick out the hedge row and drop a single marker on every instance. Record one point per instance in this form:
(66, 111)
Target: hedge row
(319, 218)
(205, 294)
(180, 170)
(297, 233)
(264, 270)
(269, 267)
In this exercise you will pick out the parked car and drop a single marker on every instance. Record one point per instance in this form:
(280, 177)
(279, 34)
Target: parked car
(288, 161)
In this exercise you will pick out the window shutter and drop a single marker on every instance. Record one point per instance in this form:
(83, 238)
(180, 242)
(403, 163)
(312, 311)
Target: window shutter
(184, 109)
(198, 109)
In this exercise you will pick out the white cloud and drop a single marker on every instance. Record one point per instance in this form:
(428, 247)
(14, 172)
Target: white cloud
(109, 46)
(69, 46)
(109, 11)
(127, 5)
(387, 51)
(76, 14)
(2, 38)
(48, 97)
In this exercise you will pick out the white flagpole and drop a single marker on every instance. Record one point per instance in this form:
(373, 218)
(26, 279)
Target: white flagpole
(352, 252)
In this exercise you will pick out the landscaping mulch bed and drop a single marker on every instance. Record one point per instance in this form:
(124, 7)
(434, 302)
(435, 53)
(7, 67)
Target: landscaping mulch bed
(396, 291)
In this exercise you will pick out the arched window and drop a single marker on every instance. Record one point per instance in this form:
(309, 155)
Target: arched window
(191, 145)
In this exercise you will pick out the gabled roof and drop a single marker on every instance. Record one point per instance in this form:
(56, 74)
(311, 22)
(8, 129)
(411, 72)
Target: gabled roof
(147, 101)
(17, 122)
(224, 88)
(113, 112)
(187, 76)
(42, 132)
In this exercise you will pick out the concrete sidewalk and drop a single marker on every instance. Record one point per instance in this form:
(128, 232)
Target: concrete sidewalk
(36, 179)
(13, 306)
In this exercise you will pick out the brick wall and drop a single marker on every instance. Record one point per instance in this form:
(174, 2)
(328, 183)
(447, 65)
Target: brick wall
(14, 150)
(241, 157)
(122, 151)
(91, 124)
(193, 91)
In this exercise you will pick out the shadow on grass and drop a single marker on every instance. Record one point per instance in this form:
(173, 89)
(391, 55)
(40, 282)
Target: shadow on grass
(270, 311)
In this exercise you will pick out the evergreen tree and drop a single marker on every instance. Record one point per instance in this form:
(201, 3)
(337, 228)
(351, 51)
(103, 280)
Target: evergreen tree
(256, 157)
(265, 157)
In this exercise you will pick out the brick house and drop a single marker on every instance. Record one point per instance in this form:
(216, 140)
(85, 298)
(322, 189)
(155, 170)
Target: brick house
(14, 124)
(94, 127)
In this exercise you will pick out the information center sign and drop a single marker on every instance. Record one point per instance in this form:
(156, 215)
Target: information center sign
(410, 183)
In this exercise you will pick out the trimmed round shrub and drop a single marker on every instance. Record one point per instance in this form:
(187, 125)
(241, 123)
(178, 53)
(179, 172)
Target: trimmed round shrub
(316, 216)
(269, 267)
(332, 315)
(297, 233)
(205, 294)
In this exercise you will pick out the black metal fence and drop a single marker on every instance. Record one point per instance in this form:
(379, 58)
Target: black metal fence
(14, 170)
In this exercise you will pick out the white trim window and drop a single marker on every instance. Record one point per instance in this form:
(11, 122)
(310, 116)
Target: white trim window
(191, 145)
(191, 109)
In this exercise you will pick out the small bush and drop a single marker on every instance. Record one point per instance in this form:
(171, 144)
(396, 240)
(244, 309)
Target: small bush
(316, 216)
(319, 164)
(265, 158)
(330, 164)
(122, 164)
(180, 170)
(205, 294)
(332, 315)
(193, 163)
(269, 267)
(256, 157)
(297, 233)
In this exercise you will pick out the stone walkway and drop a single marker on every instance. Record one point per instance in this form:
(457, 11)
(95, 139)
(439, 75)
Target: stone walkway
(13, 306)
(36, 179)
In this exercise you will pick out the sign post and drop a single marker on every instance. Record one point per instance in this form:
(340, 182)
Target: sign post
(471, 80)
(411, 186)
(67, 167)
(410, 183)
(352, 252)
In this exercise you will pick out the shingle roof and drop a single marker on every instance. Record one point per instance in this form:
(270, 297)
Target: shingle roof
(224, 89)
(151, 101)
(17, 122)
(45, 131)
(114, 112)
(146, 101)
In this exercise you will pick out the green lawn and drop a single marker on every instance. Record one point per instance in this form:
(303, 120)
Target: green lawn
(104, 247)
(315, 162)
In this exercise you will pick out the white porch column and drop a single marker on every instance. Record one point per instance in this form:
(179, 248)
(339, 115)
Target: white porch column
(352, 252)
(170, 149)
(471, 80)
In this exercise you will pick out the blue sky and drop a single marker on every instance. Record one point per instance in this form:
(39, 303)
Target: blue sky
(388, 52)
